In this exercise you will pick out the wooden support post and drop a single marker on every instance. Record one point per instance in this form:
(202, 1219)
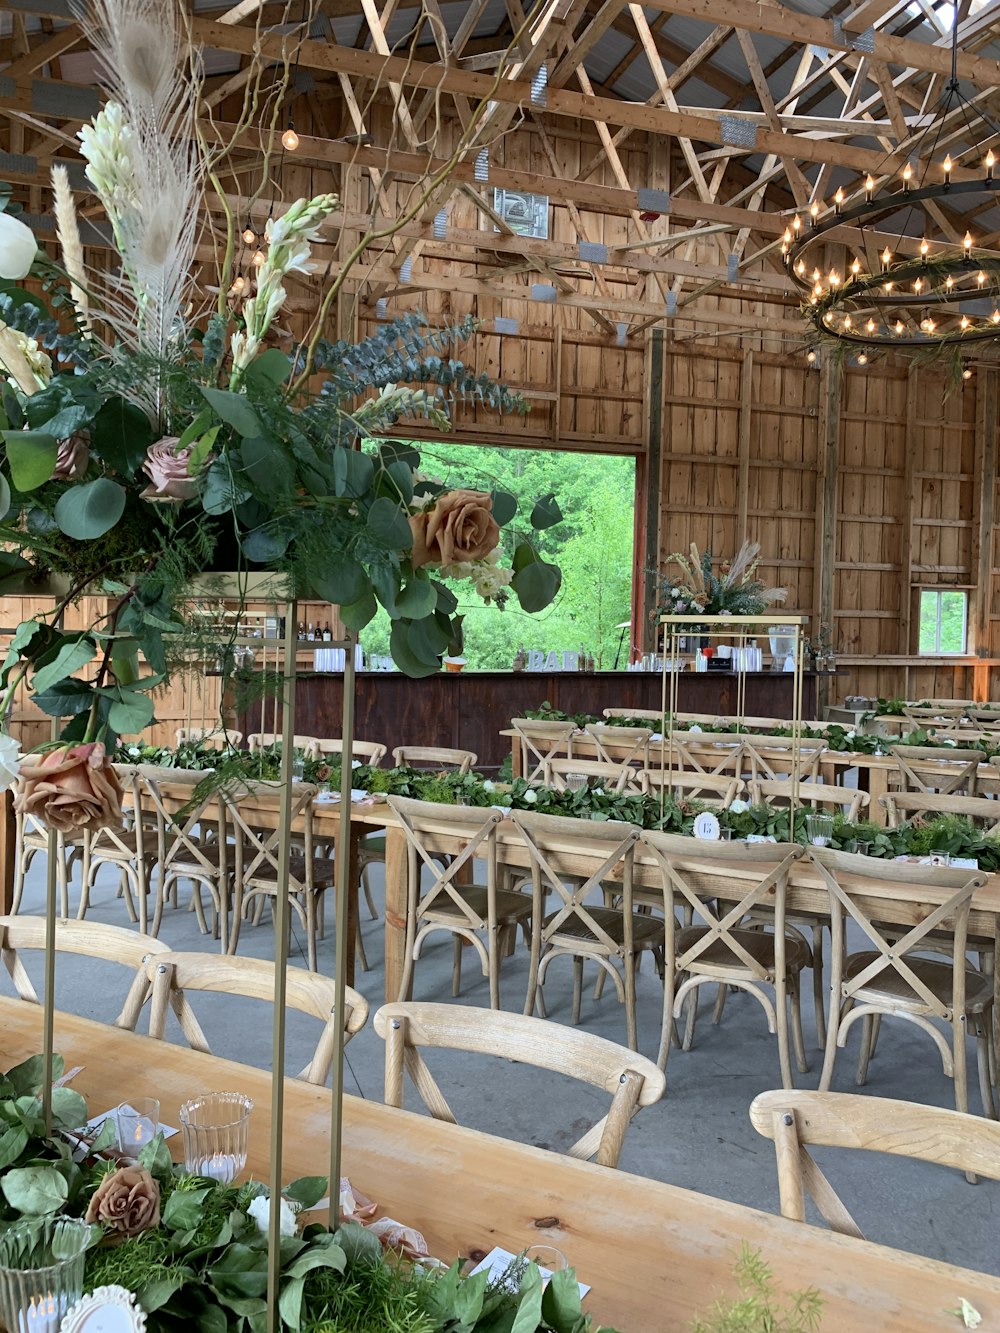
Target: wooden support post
(743, 478)
(8, 852)
(911, 488)
(647, 551)
(826, 508)
(984, 507)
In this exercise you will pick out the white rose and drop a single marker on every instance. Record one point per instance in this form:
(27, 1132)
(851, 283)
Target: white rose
(739, 807)
(531, 796)
(488, 785)
(10, 761)
(694, 727)
(18, 247)
(260, 1211)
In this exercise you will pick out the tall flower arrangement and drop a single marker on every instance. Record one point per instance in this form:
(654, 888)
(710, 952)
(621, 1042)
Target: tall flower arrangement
(143, 445)
(690, 585)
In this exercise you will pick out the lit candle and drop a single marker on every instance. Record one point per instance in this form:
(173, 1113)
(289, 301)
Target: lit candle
(886, 258)
(814, 213)
(869, 188)
(838, 200)
(967, 243)
(40, 1317)
(907, 175)
(947, 171)
(990, 164)
(221, 1166)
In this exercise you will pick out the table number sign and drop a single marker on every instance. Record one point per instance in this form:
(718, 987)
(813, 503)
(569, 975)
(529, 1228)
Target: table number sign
(105, 1310)
(706, 827)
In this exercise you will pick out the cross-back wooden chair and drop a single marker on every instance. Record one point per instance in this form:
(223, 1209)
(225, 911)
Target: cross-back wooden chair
(847, 801)
(650, 714)
(541, 741)
(216, 738)
(716, 949)
(570, 774)
(132, 847)
(173, 976)
(892, 978)
(194, 844)
(620, 745)
(433, 756)
(772, 758)
(264, 740)
(796, 1119)
(369, 752)
(257, 849)
(114, 944)
(903, 806)
(613, 938)
(935, 710)
(988, 718)
(698, 752)
(716, 790)
(32, 838)
(936, 768)
(465, 910)
(631, 1079)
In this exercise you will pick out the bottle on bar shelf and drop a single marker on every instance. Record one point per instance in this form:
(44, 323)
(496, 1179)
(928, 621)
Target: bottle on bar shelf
(327, 635)
(311, 632)
(302, 629)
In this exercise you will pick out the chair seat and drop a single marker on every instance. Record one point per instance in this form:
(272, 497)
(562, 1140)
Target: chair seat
(647, 931)
(759, 944)
(183, 857)
(265, 877)
(888, 987)
(123, 849)
(510, 906)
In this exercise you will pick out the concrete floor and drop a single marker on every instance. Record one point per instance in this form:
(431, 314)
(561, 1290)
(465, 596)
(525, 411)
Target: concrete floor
(699, 1136)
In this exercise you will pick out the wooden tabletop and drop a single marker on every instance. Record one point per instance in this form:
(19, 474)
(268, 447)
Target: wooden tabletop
(655, 1255)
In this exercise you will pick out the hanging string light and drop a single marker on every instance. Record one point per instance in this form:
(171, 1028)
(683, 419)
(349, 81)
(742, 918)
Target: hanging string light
(290, 140)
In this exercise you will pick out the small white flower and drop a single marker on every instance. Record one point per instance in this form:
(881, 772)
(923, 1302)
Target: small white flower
(10, 761)
(951, 743)
(850, 733)
(738, 807)
(134, 750)
(531, 796)
(694, 727)
(488, 785)
(598, 791)
(355, 763)
(260, 1211)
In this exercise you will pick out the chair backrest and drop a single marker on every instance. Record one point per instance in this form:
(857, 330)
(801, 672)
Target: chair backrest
(905, 805)
(174, 975)
(541, 741)
(371, 752)
(649, 714)
(257, 848)
(775, 757)
(217, 738)
(620, 745)
(934, 709)
(698, 752)
(937, 768)
(713, 789)
(433, 756)
(264, 740)
(695, 874)
(183, 833)
(984, 717)
(424, 821)
(553, 844)
(942, 898)
(631, 1079)
(848, 801)
(794, 1119)
(569, 774)
(87, 939)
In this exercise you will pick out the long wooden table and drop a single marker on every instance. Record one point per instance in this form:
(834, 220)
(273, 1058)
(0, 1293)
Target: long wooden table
(655, 1255)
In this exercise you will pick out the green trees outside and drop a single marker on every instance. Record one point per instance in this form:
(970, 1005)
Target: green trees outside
(592, 546)
(942, 621)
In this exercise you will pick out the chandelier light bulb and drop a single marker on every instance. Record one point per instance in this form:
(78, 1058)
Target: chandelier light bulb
(981, 279)
(924, 247)
(947, 170)
(886, 258)
(838, 200)
(965, 322)
(814, 213)
(869, 188)
(258, 258)
(949, 282)
(834, 278)
(967, 243)
(847, 321)
(907, 177)
(990, 164)
(899, 326)
(787, 238)
(996, 316)
(249, 235)
(800, 267)
(966, 374)
(870, 326)
(856, 267)
(863, 359)
(290, 140)
(918, 285)
(796, 224)
(888, 288)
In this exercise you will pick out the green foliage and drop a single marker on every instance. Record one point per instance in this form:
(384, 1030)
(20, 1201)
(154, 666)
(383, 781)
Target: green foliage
(760, 1307)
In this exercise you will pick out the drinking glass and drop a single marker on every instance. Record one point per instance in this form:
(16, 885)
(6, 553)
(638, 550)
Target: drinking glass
(548, 1258)
(41, 1273)
(215, 1127)
(819, 829)
(138, 1124)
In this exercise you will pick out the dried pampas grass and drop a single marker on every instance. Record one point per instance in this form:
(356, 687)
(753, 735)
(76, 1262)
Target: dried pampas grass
(68, 232)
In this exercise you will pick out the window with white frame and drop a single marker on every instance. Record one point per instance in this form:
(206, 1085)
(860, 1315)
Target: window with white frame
(944, 615)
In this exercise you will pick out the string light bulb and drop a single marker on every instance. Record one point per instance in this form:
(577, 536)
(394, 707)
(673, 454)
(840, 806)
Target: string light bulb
(239, 282)
(249, 235)
(290, 140)
(811, 356)
(862, 358)
(258, 258)
(967, 373)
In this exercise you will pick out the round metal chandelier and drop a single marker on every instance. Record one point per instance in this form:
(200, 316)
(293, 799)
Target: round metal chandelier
(905, 290)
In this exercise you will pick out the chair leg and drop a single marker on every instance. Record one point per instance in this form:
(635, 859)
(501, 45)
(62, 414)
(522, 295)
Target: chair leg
(781, 1014)
(311, 932)
(983, 1043)
(720, 1003)
(24, 859)
(692, 1018)
(577, 988)
(367, 888)
(456, 967)
(798, 1042)
(819, 998)
(630, 961)
(359, 949)
(864, 1055)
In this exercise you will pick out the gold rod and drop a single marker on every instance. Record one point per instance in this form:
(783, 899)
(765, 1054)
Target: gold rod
(344, 889)
(282, 914)
(48, 1023)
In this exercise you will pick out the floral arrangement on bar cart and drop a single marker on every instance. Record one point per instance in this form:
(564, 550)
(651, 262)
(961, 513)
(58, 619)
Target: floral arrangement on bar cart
(695, 587)
(149, 438)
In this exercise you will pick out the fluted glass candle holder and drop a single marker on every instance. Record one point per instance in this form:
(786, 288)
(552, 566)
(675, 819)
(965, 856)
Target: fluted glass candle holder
(215, 1127)
(41, 1273)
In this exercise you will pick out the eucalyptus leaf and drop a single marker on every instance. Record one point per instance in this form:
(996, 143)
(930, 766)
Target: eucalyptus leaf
(387, 525)
(306, 1191)
(340, 581)
(89, 511)
(72, 656)
(546, 513)
(417, 599)
(357, 615)
(35, 1190)
(32, 457)
(504, 506)
(235, 410)
(265, 544)
(537, 584)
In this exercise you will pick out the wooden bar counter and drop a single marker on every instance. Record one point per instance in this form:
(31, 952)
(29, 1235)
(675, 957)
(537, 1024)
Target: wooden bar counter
(469, 709)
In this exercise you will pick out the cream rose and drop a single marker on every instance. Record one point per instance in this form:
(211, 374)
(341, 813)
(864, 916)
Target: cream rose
(71, 789)
(127, 1201)
(166, 466)
(72, 458)
(459, 528)
(18, 248)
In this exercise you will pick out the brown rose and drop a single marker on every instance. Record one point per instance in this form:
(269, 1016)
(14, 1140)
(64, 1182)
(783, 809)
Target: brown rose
(127, 1201)
(459, 528)
(72, 458)
(166, 466)
(71, 788)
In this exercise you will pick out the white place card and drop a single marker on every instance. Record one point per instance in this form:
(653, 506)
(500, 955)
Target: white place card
(498, 1261)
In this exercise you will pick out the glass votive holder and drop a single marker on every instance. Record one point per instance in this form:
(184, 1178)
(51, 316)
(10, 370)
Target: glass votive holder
(548, 1258)
(725, 835)
(819, 829)
(215, 1127)
(138, 1124)
(939, 857)
(41, 1273)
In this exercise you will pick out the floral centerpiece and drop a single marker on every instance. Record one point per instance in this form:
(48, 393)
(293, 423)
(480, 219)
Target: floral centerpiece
(149, 437)
(691, 585)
